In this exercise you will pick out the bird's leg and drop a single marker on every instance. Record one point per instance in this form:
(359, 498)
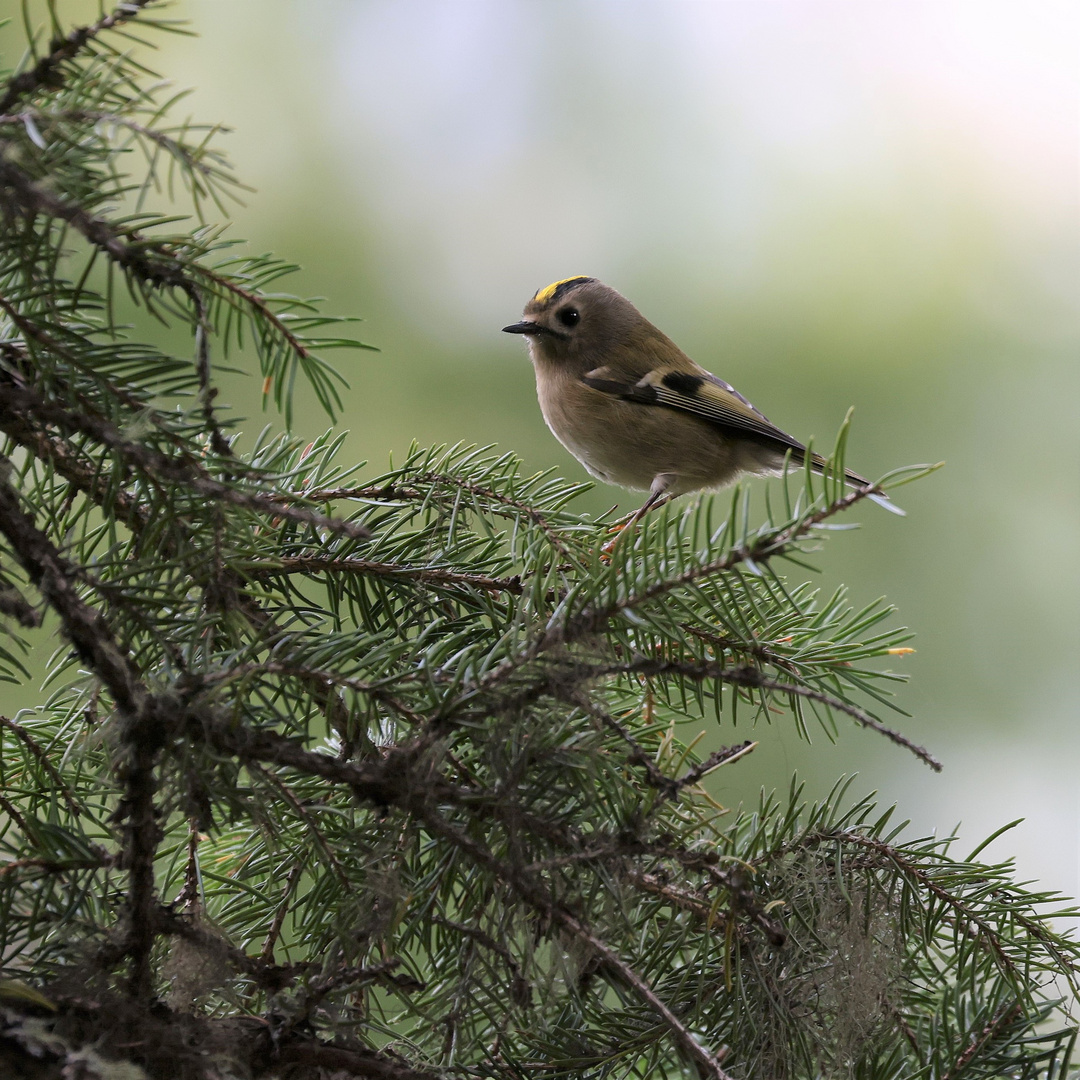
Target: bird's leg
(658, 495)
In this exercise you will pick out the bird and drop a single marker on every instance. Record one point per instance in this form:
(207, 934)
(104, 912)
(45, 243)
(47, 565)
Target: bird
(635, 410)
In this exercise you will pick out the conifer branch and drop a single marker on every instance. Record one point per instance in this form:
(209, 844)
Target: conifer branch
(666, 785)
(55, 578)
(752, 677)
(328, 564)
(42, 758)
(47, 73)
(771, 544)
(717, 758)
(1007, 1014)
(15, 606)
(145, 722)
(165, 469)
(196, 162)
(420, 491)
(420, 771)
(537, 897)
(968, 920)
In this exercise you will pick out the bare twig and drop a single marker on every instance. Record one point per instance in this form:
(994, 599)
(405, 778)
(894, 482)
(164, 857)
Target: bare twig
(717, 758)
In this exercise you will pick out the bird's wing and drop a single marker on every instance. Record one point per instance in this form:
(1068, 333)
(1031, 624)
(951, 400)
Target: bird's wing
(702, 394)
(698, 393)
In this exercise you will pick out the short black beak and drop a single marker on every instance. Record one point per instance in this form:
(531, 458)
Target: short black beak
(524, 327)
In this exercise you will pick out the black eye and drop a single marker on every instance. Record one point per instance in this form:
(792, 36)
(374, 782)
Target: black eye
(569, 316)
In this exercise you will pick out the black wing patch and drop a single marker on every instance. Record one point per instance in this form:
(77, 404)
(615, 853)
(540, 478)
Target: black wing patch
(682, 382)
(705, 396)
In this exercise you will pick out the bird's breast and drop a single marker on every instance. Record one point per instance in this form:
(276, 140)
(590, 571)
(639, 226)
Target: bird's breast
(628, 444)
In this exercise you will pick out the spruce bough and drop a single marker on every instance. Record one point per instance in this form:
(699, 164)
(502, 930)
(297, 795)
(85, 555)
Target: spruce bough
(382, 777)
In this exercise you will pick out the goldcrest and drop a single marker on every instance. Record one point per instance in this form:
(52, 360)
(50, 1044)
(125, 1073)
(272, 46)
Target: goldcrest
(634, 409)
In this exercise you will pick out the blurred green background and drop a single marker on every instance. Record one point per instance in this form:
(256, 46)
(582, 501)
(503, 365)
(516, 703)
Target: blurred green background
(827, 203)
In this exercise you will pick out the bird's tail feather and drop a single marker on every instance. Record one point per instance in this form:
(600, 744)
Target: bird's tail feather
(856, 480)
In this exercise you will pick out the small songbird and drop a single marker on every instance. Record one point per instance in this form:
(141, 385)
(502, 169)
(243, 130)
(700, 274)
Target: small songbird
(634, 409)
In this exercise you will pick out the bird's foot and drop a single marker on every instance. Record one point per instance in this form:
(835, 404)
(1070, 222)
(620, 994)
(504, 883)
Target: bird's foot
(609, 546)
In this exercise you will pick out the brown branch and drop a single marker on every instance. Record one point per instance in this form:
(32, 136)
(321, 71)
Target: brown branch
(55, 866)
(94, 482)
(25, 373)
(207, 390)
(735, 881)
(279, 915)
(15, 606)
(537, 897)
(253, 299)
(391, 782)
(358, 976)
(145, 722)
(474, 933)
(750, 648)
(316, 678)
(268, 974)
(84, 627)
(188, 897)
(14, 814)
(97, 484)
(751, 677)
(42, 759)
(386, 784)
(320, 841)
(1003, 1017)
(46, 72)
(666, 785)
(717, 758)
(382, 783)
(157, 263)
(150, 262)
(310, 1053)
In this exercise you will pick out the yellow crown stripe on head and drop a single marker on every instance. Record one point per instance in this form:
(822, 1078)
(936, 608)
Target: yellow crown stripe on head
(545, 294)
